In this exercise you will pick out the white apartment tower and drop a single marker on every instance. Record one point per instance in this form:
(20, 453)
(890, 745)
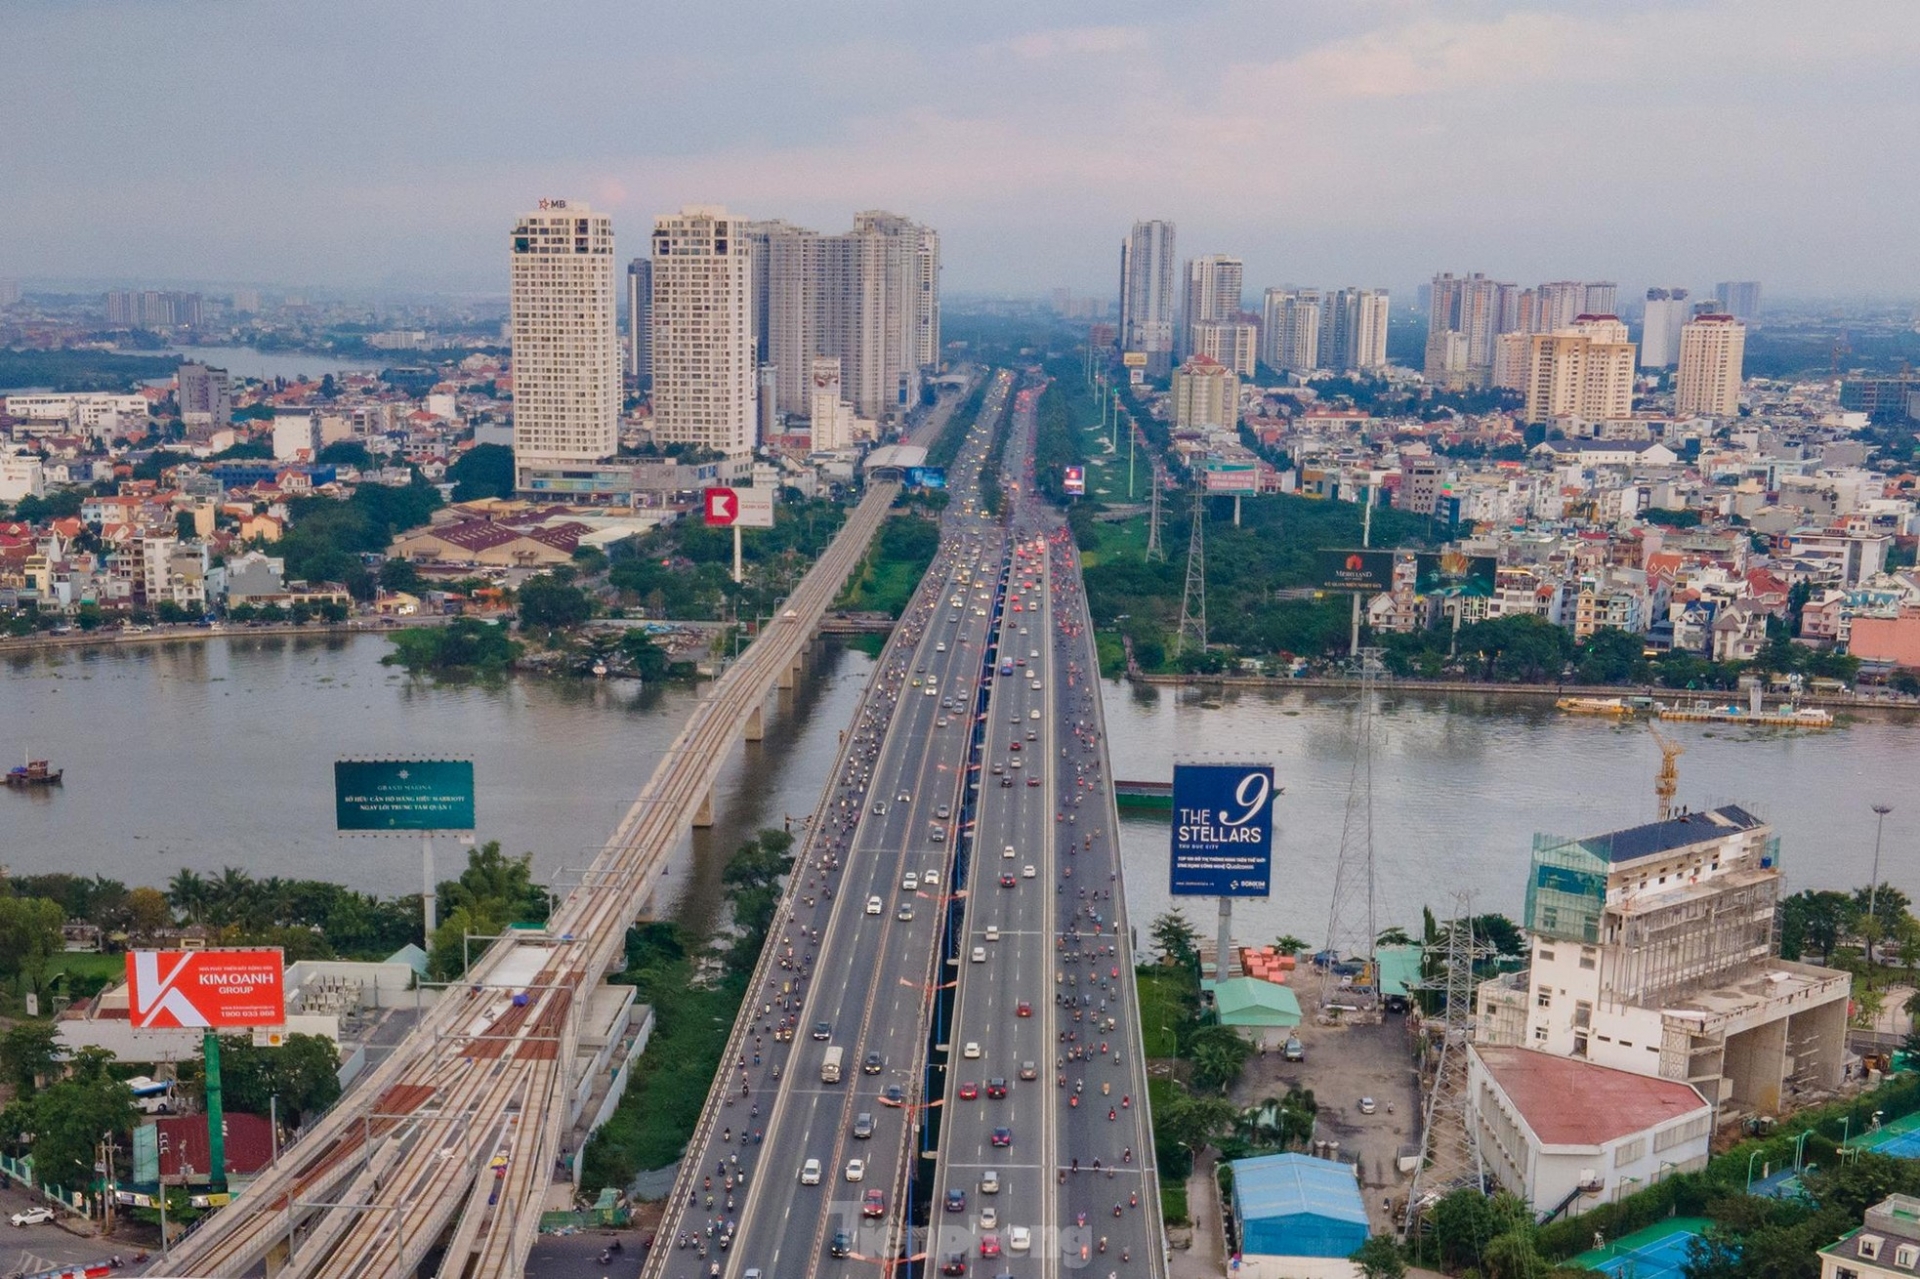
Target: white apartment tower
(1146, 294)
(1463, 322)
(1712, 348)
(639, 319)
(704, 381)
(1353, 329)
(1214, 284)
(566, 347)
(1582, 373)
(1230, 343)
(1667, 310)
(1291, 328)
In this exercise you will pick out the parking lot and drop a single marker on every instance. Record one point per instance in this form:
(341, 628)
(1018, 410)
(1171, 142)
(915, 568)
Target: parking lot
(1343, 1064)
(28, 1249)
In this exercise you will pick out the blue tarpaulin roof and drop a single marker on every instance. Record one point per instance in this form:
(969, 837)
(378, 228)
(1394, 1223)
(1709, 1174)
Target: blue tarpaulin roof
(1298, 1206)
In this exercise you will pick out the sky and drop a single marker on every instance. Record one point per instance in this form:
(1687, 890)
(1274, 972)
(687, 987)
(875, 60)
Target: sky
(363, 143)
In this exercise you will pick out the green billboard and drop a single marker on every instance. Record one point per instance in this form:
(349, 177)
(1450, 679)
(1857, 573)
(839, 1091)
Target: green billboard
(1369, 572)
(403, 794)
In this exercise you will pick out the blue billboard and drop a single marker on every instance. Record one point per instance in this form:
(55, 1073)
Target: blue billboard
(1222, 830)
(926, 477)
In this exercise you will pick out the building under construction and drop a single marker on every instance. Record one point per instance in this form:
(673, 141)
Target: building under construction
(1653, 951)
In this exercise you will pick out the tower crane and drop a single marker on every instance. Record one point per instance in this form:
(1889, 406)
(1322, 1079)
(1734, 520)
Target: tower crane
(1667, 783)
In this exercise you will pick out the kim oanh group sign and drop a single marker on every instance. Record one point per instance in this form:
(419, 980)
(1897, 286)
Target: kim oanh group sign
(1222, 830)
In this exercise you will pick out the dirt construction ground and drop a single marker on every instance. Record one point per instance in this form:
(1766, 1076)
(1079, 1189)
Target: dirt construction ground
(1345, 1063)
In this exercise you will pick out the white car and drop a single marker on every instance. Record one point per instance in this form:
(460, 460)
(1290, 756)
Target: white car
(989, 1217)
(1019, 1239)
(931, 691)
(1034, 713)
(810, 1173)
(993, 932)
(32, 1217)
(909, 883)
(1026, 872)
(971, 1051)
(1007, 852)
(931, 879)
(941, 647)
(856, 1169)
(874, 906)
(979, 954)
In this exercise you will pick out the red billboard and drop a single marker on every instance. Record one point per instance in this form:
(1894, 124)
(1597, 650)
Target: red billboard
(723, 507)
(189, 989)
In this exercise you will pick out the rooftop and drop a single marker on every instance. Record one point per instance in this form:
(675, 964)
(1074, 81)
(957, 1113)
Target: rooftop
(1289, 1185)
(1611, 1103)
(1655, 838)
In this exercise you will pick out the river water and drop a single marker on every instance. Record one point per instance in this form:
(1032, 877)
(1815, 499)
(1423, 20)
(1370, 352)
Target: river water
(217, 752)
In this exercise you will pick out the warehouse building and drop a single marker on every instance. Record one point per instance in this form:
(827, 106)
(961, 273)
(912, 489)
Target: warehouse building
(1302, 1214)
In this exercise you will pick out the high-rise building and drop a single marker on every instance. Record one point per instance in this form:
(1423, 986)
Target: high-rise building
(1738, 298)
(1290, 325)
(1230, 342)
(152, 309)
(1206, 396)
(1467, 307)
(1146, 294)
(9, 293)
(830, 417)
(566, 346)
(704, 383)
(205, 395)
(1660, 329)
(245, 302)
(639, 319)
(1582, 373)
(926, 301)
(1212, 292)
(1712, 348)
(1602, 298)
(1353, 329)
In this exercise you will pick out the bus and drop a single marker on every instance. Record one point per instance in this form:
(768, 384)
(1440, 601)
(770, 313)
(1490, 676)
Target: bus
(830, 1067)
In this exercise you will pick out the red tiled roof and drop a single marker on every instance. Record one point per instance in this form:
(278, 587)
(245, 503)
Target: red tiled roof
(1576, 1103)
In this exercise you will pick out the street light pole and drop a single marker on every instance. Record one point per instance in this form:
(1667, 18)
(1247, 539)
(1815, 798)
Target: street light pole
(1880, 811)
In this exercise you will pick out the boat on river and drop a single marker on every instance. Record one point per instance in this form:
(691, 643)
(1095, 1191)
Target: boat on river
(35, 772)
(1618, 707)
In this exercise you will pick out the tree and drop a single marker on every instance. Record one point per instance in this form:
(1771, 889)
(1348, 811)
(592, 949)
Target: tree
(29, 1052)
(303, 1073)
(68, 1120)
(147, 913)
(1380, 1258)
(1179, 943)
(399, 574)
(547, 603)
(1815, 919)
(1217, 1054)
(1461, 1221)
(485, 470)
(188, 893)
(30, 936)
(1611, 656)
(1395, 936)
(346, 453)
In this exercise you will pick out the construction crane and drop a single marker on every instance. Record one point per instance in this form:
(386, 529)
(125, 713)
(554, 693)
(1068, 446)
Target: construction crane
(1668, 782)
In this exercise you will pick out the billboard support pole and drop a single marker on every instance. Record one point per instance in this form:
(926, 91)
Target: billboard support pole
(426, 886)
(1366, 540)
(1223, 943)
(216, 1113)
(736, 554)
(1236, 510)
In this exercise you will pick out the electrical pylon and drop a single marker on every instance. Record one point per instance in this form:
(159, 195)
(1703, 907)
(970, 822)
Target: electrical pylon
(1353, 923)
(1449, 1139)
(1193, 600)
(1155, 551)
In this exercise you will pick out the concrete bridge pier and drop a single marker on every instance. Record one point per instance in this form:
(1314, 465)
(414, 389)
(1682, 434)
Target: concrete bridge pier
(756, 729)
(703, 816)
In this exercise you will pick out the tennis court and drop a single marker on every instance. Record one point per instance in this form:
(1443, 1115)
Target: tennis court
(1658, 1252)
(1901, 1138)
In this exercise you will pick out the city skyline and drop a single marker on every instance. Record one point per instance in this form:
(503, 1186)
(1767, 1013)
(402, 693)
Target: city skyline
(1079, 119)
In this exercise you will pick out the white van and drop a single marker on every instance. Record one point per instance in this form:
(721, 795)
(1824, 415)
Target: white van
(810, 1173)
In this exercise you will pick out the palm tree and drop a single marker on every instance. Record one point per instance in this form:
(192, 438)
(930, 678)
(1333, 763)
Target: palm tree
(187, 893)
(231, 893)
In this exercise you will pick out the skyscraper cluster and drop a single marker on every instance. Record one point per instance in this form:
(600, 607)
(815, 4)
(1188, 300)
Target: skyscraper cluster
(1340, 329)
(1467, 315)
(152, 309)
(732, 322)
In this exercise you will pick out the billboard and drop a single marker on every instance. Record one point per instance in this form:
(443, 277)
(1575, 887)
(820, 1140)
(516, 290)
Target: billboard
(1369, 571)
(1455, 573)
(1222, 830)
(1134, 359)
(926, 477)
(191, 989)
(402, 794)
(1233, 477)
(1074, 481)
(738, 508)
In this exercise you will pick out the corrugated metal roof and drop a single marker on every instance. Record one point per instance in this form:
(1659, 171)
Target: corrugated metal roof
(1294, 1185)
(1660, 837)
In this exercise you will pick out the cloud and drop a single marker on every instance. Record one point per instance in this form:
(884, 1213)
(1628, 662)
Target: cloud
(1039, 45)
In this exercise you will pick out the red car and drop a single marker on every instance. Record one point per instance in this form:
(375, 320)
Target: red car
(873, 1204)
(969, 1091)
(1006, 880)
(1023, 1009)
(989, 1245)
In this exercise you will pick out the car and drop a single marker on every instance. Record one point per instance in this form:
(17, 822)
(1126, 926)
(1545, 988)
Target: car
(1001, 1137)
(873, 1204)
(841, 1244)
(1019, 1239)
(941, 647)
(943, 812)
(863, 1125)
(1032, 652)
(822, 1031)
(893, 1095)
(34, 1216)
(910, 882)
(1367, 1106)
(1033, 781)
(955, 1264)
(1034, 713)
(1006, 879)
(1013, 746)
(1014, 762)
(1023, 1009)
(930, 878)
(1027, 871)
(1035, 686)
(1006, 782)
(1019, 661)
(938, 834)
(856, 1170)
(905, 913)
(990, 1182)
(969, 1091)
(999, 768)
(872, 1065)
(810, 1173)
(989, 1217)
(996, 1089)
(1293, 1049)
(941, 722)
(916, 681)
(879, 808)
(875, 906)
(1007, 852)
(904, 798)
(979, 954)
(972, 1051)
(989, 1245)
(1032, 736)
(993, 932)
(956, 1199)
(1029, 1070)
(931, 691)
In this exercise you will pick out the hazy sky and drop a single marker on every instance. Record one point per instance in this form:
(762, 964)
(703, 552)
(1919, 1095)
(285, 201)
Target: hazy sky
(363, 142)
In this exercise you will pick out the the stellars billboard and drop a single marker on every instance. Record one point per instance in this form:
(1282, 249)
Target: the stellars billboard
(1222, 830)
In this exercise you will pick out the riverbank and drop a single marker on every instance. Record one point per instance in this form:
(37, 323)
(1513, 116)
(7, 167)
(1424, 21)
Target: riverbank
(1882, 702)
(42, 642)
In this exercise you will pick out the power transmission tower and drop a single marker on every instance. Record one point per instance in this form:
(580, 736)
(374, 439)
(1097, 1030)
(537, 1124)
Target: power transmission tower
(1352, 920)
(1193, 600)
(1449, 1141)
(1155, 551)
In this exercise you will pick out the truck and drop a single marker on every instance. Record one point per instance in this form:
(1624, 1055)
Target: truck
(830, 1065)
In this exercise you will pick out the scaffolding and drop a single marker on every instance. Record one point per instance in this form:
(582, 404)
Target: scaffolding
(1566, 890)
(1703, 935)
